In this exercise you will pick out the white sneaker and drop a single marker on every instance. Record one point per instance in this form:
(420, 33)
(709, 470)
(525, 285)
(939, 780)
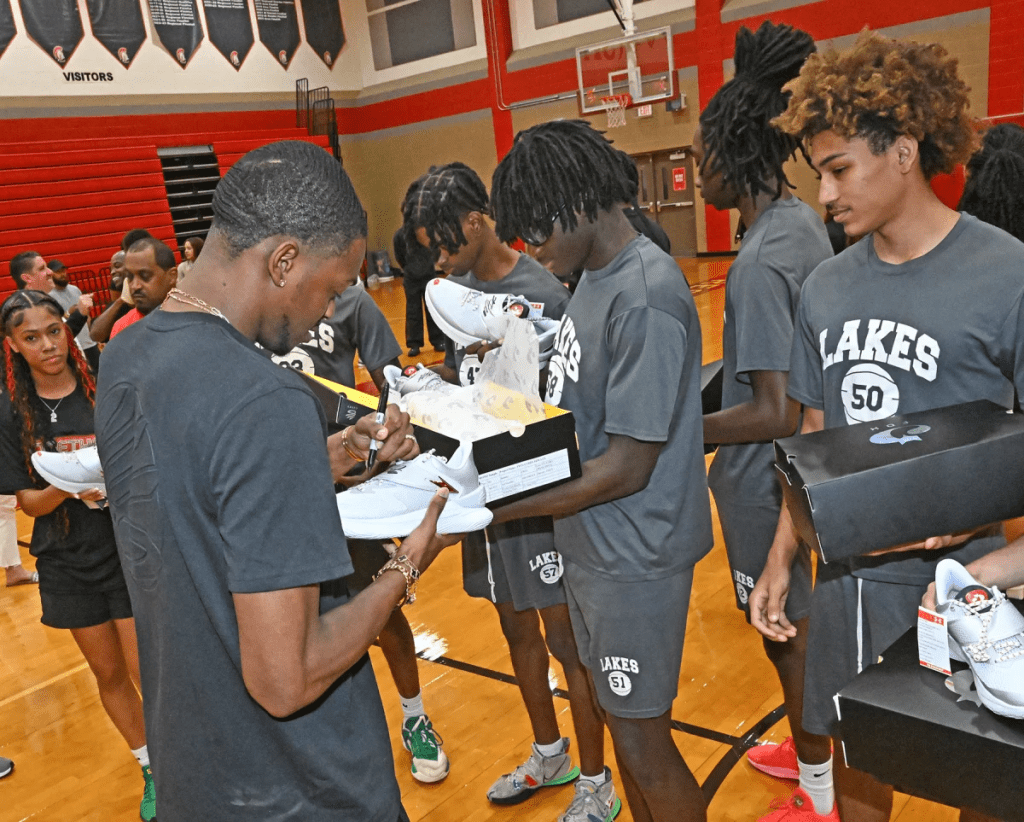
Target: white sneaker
(416, 378)
(987, 633)
(71, 471)
(468, 316)
(392, 504)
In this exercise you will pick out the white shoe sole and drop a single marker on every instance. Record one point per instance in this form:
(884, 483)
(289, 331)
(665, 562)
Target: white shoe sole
(431, 775)
(67, 485)
(454, 520)
(457, 334)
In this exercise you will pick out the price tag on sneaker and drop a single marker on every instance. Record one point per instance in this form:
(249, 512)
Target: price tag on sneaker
(933, 641)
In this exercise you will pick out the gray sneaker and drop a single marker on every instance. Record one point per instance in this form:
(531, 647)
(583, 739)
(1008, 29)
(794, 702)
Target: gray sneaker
(593, 803)
(536, 773)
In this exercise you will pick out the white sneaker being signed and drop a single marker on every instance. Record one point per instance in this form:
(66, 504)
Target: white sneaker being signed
(71, 471)
(392, 504)
(987, 633)
(468, 316)
(416, 378)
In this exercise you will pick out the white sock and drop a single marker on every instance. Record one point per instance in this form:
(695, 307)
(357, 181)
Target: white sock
(598, 780)
(816, 782)
(413, 706)
(142, 756)
(554, 749)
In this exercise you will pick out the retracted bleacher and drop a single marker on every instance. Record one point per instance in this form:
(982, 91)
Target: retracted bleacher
(75, 199)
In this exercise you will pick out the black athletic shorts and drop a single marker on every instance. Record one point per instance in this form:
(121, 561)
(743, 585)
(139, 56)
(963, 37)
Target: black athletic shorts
(84, 610)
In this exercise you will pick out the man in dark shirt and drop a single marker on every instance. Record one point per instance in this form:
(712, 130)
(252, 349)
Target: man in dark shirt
(259, 697)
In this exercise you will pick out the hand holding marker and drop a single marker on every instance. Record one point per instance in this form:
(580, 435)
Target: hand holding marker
(375, 443)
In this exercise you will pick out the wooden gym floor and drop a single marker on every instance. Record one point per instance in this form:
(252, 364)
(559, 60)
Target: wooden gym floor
(71, 764)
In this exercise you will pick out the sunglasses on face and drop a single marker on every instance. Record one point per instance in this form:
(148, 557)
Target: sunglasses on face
(538, 234)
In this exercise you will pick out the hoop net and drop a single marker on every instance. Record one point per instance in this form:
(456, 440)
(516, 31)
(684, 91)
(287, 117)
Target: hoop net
(615, 107)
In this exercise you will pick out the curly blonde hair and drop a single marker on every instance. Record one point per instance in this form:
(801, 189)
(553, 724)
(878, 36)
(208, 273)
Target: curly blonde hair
(881, 89)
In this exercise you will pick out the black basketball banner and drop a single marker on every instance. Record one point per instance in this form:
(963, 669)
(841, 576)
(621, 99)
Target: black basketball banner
(178, 27)
(119, 26)
(230, 29)
(278, 23)
(7, 28)
(55, 26)
(324, 31)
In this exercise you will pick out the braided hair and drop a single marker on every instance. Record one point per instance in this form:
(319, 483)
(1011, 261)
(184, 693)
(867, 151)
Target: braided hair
(557, 168)
(438, 201)
(289, 188)
(22, 387)
(741, 142)
(994, 191)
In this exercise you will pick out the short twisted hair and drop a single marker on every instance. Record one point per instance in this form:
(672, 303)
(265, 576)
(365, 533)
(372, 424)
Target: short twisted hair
(437, 202)
(290, 188)
(881, 89)
(557, 168)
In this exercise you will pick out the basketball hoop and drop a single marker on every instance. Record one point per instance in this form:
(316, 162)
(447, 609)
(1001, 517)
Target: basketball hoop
(615, 107)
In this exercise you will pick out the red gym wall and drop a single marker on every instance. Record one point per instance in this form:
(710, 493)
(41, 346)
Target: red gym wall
(386, 144)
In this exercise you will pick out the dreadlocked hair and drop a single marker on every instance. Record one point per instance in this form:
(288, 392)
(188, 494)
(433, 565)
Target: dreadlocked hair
(881, 89)
(736, 127)
(557, 168)
(994, 191)
(438, 201)
(22, 387)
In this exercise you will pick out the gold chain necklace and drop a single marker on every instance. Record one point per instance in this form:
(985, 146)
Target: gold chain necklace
(194, 302)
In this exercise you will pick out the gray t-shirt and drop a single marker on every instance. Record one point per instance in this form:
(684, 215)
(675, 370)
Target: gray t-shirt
(219, 484)
(875, 339)
(529, 279)
(67, 297)
(356, 325)
(762, 293)
(627, 362)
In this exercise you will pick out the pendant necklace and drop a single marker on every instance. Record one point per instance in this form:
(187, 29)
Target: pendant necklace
(53, 410)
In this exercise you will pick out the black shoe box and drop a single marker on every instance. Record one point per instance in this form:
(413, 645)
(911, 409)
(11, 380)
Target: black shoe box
(711, 393)
(510, 468)
(860, 488)
(901, 724)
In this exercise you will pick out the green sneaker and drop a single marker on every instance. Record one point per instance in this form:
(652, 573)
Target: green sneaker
(147, 808)
(429, 763)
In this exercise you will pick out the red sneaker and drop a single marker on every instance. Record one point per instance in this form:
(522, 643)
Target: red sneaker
(798, 808)
(775, 760)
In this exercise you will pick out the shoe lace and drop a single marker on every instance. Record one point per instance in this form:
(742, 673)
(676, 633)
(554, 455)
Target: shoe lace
(584, 801)
(423, 739)
(984, 649)
(149, 790)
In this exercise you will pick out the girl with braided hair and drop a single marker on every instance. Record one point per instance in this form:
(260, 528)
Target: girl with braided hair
(740, 157)
(48, 405)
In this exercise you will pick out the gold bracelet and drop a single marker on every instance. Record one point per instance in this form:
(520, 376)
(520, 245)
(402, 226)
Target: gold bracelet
(348, 448)
(404, 566)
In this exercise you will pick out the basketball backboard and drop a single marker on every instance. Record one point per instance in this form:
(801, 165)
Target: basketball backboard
(640, 65)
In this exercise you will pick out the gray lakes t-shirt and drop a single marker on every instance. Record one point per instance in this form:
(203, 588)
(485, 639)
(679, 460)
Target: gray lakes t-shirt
(875, 339)
(356, 325)
(627, 362)
(762, 292)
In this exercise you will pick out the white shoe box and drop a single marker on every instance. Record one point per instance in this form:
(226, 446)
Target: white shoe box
(510, 468)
